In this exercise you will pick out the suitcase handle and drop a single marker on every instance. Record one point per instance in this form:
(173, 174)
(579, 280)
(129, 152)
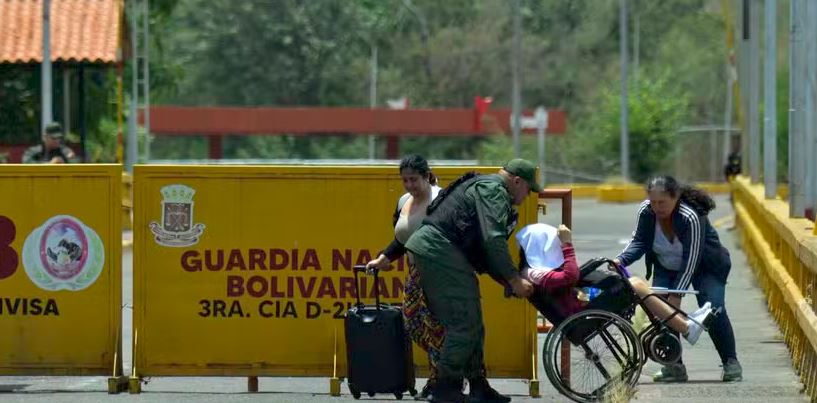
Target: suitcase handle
(362, 269)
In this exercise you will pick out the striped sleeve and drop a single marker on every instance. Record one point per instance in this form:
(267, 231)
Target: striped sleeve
(692, 240)
(638, 244)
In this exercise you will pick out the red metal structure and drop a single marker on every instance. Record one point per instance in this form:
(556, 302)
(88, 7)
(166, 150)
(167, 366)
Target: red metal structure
(216, 122)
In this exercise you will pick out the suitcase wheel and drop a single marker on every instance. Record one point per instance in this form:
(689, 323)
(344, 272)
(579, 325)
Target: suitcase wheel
(398, 396)
(371, 394)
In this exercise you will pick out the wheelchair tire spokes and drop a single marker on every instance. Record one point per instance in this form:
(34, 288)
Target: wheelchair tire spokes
(606, 354)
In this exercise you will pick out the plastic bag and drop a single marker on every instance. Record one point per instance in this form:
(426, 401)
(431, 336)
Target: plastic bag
(640, 319)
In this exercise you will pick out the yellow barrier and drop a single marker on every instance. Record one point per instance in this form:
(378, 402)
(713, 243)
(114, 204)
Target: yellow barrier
(783, 255)
(60, 271)
(245, 271)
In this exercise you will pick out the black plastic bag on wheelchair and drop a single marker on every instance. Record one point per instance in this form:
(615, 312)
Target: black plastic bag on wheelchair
(616, 295)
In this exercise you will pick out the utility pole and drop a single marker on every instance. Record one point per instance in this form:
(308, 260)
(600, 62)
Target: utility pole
(731, 77)
(743, 84)
(770, 101)
(45, 69)
(753, 122)
(541, 117)
(625, 141)
(811, 104)
(373, 97)
(516, 100)
(636, 45)
(796, 110)
(146, 82)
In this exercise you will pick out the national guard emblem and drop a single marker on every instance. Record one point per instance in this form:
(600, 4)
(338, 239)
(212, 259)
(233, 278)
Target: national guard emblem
(177, 228)
(63, 254)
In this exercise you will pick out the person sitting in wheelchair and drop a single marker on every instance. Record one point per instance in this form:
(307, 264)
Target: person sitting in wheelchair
(548, 260)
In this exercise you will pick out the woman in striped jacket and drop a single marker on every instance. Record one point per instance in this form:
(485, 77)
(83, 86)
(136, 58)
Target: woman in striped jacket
(682, 249)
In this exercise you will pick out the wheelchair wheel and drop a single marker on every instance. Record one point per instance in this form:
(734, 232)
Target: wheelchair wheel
(605, 356)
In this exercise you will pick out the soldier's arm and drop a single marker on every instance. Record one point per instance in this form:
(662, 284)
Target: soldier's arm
(29, 156)
(492, 205)
(69, 155)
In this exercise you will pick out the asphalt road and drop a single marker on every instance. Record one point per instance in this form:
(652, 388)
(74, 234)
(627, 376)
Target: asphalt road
(599, 230)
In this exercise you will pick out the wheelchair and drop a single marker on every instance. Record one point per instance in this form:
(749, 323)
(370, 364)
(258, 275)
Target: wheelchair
(596, 352)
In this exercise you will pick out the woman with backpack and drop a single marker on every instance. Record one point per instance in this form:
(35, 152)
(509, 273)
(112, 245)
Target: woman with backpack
(682, 248)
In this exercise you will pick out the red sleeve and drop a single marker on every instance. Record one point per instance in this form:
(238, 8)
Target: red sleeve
(565, 276)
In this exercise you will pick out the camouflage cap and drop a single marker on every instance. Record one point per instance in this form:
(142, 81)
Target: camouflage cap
(53, 129)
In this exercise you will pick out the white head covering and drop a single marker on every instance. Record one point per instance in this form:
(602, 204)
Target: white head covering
(542, 247)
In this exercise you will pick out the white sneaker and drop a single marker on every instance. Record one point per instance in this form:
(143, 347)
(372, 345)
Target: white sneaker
(695, 325)
(706, 306)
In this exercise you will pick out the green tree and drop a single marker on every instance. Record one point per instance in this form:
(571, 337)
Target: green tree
(656, 111)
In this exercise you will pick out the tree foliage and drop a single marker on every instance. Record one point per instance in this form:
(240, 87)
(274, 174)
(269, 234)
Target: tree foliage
(438, 54)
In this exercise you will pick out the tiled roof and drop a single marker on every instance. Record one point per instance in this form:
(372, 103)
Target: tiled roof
(81, 30)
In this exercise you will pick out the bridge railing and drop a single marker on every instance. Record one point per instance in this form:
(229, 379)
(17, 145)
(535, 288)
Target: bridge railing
(782, 252)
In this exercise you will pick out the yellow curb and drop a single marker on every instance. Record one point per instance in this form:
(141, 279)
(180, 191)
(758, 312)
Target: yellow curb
(713, 188)
(621, 193)
(580, 191)
(721, 221)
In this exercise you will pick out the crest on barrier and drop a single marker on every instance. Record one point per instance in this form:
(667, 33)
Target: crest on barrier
(63, 254)
(177, 228)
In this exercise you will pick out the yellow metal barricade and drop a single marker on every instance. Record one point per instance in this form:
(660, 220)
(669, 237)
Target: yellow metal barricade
(60, 270)
(246, 271)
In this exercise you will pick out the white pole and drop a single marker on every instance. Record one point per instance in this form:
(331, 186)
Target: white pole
(516, 97)
(810, 159)
(727, 114)
(373, 96)
(45, 69)
(132, 150)
(745, 77)
(146, 82)
(796, 112)
(636, 46)
(754, 91)
(770, 101)
(541, 117)
(134, 96)
(625, 141)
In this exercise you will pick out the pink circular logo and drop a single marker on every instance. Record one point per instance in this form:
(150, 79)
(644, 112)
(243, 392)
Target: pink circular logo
(63, 248)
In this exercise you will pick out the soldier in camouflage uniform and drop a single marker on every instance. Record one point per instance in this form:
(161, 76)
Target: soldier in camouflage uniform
(465, 233)
(51, 150)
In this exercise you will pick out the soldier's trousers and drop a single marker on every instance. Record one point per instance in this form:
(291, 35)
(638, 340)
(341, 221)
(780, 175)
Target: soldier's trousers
(451, 289)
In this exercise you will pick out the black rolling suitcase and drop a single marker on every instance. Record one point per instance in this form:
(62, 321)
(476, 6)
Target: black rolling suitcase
(378, 351)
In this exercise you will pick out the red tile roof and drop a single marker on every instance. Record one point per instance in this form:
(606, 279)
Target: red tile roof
(81, 30)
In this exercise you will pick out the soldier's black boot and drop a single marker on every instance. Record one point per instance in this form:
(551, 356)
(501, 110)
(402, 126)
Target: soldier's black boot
(482, 392)
(447, 391)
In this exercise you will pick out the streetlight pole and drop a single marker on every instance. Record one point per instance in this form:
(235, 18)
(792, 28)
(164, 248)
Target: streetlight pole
(373, 97)
(770, 101)
(541, 117)
(625, 141)
(516, 101)
(45, 69)
(796, 110)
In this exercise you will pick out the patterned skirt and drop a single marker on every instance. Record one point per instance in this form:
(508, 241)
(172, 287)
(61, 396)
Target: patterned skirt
(421, 325)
